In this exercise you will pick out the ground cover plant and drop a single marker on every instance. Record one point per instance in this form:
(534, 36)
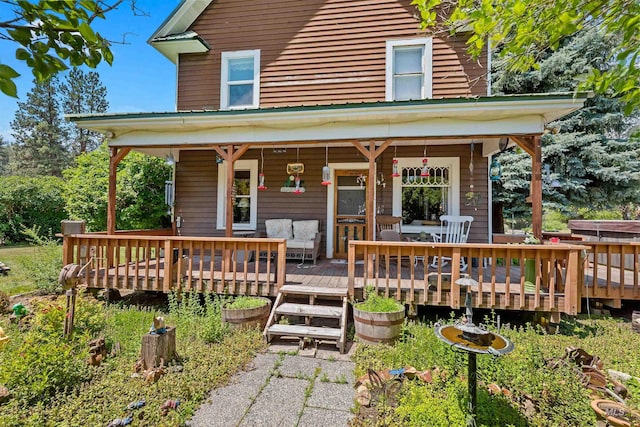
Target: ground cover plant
(536, 394)
(51, 383)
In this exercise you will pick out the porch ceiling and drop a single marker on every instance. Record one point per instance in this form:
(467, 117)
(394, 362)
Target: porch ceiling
(434, 118)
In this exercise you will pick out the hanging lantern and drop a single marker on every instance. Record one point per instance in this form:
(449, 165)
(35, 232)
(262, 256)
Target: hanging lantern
(395, 173)
(425, 168)
(326, 172)
(495, 170)
(261, 185)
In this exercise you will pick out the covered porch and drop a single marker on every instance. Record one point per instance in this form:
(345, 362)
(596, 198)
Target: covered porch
(563, 274)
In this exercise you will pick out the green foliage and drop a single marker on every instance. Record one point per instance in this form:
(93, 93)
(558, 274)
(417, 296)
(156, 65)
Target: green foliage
(88, 321)
(245, 302)
(52, 35)
(201, 315)
(44, 261)
(39, 132)
(140, 189)
(523, 29)
(377, 303)
(557, 393)
(30, 202)
(592, 157)
(73, 394)
(83, 93)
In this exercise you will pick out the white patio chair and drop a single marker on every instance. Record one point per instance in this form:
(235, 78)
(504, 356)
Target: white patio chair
(453, 229)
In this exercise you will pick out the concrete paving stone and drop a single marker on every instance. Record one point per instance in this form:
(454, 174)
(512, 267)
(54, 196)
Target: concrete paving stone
(279, 404)
(319, 417)
(330, 351)
(337, 371)
(298, 367)
(331, 396)
(279, 345)
(225, 406)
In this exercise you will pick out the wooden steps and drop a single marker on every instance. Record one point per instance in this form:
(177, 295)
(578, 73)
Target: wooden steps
(324, 313)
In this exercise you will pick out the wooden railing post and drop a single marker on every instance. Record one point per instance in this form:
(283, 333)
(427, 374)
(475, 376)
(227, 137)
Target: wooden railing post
(168, 266)
(67, 250)
(455, 275)
(572, 293)
(351, 269)
(282, 263)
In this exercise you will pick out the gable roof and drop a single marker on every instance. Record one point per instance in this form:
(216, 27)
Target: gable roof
(174, 31)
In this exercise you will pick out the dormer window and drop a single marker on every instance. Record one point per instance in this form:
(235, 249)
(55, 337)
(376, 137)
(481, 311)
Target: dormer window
(240, 80)
(408, 70)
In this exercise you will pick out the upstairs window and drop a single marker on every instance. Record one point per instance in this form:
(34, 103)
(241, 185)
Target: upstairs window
(408, 70)
(240, 80)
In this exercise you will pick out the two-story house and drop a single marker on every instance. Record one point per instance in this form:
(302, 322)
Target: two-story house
(336, 111)
(357, 86)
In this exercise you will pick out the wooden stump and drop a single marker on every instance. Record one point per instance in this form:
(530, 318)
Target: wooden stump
(635, 321)
(158, 349)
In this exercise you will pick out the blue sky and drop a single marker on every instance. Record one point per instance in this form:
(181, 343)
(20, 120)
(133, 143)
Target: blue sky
(140, 79)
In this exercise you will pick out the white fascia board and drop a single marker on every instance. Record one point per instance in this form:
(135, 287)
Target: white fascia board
(171, 49)
(329, 131)
(181, 18)
(476, 116)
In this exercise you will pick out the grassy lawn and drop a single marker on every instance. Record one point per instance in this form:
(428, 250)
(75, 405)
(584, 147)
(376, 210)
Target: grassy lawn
(18, 281)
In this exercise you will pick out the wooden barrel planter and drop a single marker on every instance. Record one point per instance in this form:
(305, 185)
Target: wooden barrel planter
(246, 318)
(374, 328)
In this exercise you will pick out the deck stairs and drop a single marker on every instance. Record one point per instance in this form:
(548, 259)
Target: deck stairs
(311, 313)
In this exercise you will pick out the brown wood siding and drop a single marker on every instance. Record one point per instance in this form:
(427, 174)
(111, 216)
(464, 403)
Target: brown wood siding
(197, 171)
(318, 52)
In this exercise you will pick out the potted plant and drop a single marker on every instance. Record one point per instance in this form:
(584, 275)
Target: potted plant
(378, 319)
(246, 312)
(530, 265)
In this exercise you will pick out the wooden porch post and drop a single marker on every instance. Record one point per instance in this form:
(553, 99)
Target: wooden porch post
(533, 147)
(536, 187)
(228, 232)
(371, 155)
(115, 156)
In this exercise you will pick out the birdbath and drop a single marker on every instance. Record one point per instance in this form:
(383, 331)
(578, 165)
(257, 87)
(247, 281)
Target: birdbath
(474, 340)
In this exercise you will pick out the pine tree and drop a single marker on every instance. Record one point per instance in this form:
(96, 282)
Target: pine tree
(4, 157)
(83, 93)
(39, 133)
(592, 157)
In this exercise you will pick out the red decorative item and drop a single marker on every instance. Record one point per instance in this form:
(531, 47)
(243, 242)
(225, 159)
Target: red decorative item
(395, 173)
(425, 168)
(297, 190)
(261, 186)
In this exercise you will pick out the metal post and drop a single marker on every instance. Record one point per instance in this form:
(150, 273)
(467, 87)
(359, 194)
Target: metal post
(472, 380)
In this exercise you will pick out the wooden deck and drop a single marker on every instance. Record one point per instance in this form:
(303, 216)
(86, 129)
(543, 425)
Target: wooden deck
(561, 276)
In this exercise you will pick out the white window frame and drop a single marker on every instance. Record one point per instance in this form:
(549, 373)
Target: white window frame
(246, 165)
(453, 208)
(427, 65)
(224, 77)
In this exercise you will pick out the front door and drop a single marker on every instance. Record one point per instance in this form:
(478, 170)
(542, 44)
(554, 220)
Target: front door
(349, 209)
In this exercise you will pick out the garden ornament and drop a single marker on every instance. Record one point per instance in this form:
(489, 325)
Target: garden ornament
(169, 404)
(136, 404)
(158, 326)
(3, 339)
(19, 310)
(121, 422)
(474, 340)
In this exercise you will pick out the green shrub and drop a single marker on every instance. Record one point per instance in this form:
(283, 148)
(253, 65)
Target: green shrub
(245, 302)
(200, 314)
(375, 303)
(30, 202)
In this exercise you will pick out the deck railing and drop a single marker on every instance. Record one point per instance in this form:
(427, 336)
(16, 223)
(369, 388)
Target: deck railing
(612, 271)
(164, 263)
(555, 285)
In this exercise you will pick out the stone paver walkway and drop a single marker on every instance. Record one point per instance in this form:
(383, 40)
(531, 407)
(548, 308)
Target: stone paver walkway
(283, 388)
